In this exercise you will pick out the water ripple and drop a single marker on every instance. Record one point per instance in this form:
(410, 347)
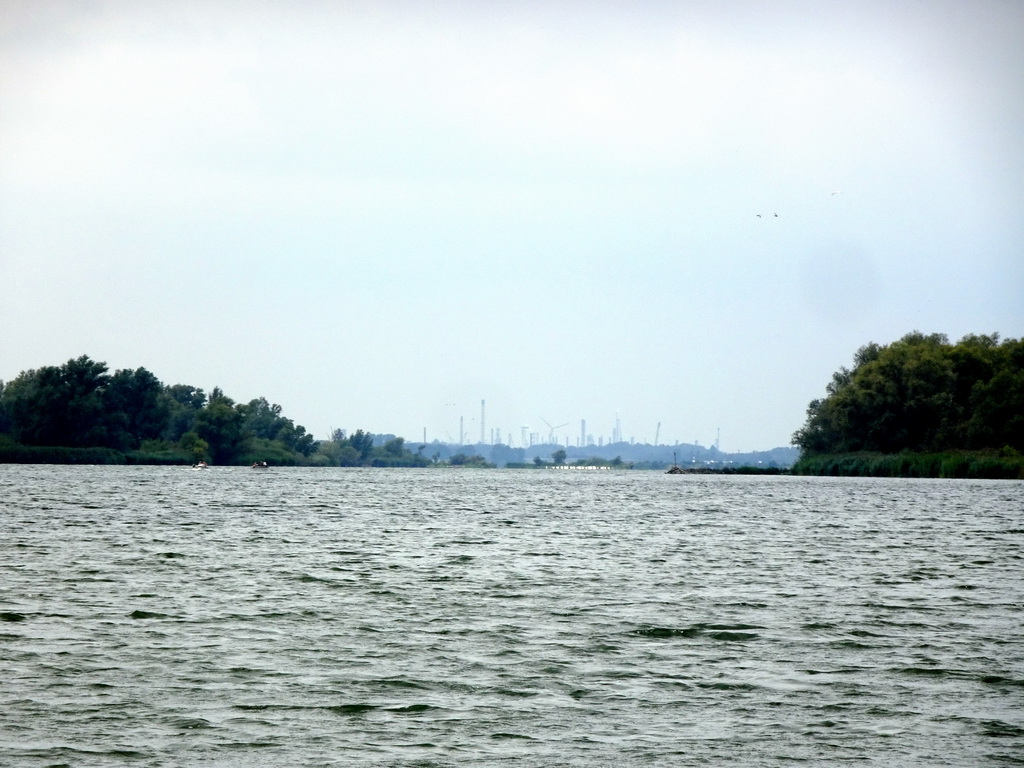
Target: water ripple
(158, 616)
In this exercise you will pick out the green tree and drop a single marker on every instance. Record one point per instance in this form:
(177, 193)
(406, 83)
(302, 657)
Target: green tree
(348, 456)
(463, 460)
(997, 417)
(335, 453)
(79, 405)
(220, 425)
(260, 418)
(921, 394)
(395, 446)
(183, 403)
(363, 443)
(295, 437)
(84, 381)
(5, 418)
(195, 447)
(558, 457)
(263, 420)
(136, 410)
(59, 405)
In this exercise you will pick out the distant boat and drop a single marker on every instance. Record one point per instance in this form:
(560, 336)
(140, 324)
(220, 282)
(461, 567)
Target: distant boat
(260, 465)
(200, 465)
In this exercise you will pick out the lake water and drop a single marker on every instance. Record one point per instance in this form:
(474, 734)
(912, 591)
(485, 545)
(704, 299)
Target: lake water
(156, 616)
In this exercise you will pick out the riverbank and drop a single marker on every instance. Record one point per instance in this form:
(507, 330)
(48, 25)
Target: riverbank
(11, 453)
(1006, 464)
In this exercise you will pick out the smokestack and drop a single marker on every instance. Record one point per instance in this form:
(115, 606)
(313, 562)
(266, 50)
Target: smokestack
(482, 420)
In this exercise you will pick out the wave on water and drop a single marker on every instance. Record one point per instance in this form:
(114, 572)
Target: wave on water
(154, 617)
(727, 632)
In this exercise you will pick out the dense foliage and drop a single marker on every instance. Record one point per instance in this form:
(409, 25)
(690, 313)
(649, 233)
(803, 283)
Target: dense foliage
(360, 450)
(922, 395)
(1006, 463)
(78, 413)
(66, 413)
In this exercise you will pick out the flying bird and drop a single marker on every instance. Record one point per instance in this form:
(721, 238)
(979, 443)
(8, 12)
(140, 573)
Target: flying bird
(836, 192)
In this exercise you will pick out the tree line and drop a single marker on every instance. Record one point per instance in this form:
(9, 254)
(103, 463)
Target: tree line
(922, 395)
(80, 405)
(79, 412)
(361, 449)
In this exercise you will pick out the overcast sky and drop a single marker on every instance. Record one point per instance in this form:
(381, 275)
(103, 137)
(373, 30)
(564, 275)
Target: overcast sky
(379, 214)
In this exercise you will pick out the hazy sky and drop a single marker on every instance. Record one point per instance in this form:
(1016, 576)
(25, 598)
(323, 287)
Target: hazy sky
(378, 214)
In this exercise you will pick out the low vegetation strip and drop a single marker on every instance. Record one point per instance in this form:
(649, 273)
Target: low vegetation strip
(12, 453)
(1006, 464)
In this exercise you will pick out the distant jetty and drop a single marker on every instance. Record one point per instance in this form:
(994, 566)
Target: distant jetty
(675, 469)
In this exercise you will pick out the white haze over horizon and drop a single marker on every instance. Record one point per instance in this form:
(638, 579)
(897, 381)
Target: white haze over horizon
(378, 214)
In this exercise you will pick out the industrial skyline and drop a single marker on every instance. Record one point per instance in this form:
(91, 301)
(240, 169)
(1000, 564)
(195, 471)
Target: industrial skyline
(561, 434)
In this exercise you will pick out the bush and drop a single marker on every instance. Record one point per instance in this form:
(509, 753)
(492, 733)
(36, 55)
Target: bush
(13, 453)
(979, 465)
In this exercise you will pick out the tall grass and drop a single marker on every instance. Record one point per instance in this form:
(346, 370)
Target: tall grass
(1006, 464)
(11, 453)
